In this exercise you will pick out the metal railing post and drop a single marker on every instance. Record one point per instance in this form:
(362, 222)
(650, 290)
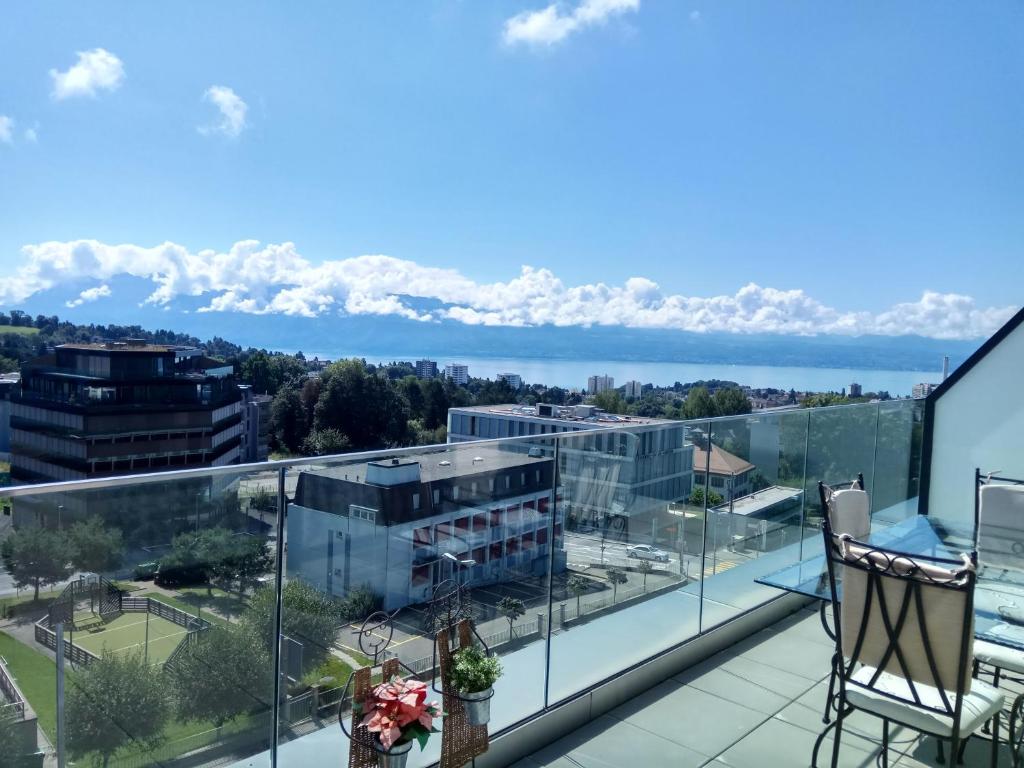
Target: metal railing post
(282, 503)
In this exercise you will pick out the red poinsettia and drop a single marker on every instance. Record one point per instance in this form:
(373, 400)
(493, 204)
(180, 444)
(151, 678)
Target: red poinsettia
(398, 712)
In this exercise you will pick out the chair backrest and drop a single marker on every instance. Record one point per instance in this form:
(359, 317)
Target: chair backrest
(909, 618)
(847, 507)
(1000, 523)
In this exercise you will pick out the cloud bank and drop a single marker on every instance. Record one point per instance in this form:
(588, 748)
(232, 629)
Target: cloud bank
(232, 111)
(277, 279)
(89, 295)
(554, 23)
(6, 129)
(96, 70)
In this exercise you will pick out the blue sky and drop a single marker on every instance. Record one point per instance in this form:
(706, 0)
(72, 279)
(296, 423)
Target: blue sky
(848, 158)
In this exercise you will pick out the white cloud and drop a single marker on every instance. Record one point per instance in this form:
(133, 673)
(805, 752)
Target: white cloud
(277, 279)
(31, 135)
(6, 129)
(96, 70)
(232, 111)
(89, 295)
(554, 23)
(694, 16)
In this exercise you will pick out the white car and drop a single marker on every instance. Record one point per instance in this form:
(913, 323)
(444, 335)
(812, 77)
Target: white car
(647, 552)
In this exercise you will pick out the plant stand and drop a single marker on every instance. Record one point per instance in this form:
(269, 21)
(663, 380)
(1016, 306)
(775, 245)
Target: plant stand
(460, 741)
(361, 752)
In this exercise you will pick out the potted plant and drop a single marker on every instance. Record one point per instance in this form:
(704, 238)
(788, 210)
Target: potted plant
(472, 676)
(396, 712)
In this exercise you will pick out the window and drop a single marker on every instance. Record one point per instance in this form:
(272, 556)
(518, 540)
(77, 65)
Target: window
(437, 496)
(455, 492)
(717, 482)
(357, 512)
(415, 501)
(490, 484)
(522, 478)
(508, 482)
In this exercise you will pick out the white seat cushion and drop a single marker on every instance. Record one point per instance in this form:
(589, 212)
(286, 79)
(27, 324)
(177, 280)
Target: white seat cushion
(1000, 656)
(979, 705)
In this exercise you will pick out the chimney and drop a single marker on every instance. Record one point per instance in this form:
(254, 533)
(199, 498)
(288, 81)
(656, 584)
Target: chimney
(945, 367)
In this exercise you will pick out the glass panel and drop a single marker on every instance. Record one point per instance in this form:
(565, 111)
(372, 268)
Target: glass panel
(623, 595)
(755, 508)
(156, 588)
(895, 485)
(841, 444)
(356, 543)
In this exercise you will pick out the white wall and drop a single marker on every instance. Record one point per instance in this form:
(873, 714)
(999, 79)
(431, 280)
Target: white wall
(978, 422)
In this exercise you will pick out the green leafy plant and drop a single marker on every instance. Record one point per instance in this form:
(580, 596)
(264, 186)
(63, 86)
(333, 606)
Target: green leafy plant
(474, 671)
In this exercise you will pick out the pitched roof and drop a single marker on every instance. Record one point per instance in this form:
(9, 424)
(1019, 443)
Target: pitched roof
(722, 462)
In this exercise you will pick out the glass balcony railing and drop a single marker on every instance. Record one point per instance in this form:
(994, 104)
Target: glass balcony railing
(198, 620)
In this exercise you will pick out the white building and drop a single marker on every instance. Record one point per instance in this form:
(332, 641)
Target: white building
(514, 380)
(597, 384)
(922, 390)
(458, 373)
(634, 389)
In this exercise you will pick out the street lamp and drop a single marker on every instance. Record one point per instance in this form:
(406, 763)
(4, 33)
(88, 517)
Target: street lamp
(457, 562)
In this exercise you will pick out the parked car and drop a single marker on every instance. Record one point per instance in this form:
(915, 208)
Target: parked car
(647, 552)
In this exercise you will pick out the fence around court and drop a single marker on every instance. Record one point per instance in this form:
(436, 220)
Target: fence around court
(15, 701)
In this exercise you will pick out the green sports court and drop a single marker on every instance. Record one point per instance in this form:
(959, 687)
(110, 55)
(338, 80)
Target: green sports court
(127, 633)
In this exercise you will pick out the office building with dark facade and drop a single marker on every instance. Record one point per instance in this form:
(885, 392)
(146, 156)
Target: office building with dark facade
(403, 526)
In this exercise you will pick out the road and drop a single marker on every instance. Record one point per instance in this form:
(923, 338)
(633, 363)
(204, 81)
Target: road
(586, 549)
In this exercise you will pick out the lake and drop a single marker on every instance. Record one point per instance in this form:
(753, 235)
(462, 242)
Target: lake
(574, 373)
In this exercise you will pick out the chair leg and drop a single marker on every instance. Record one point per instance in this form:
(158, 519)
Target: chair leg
(885, 743)
(956, 749)
(839, 735)
(818, 742)
(826, 718)
(995, 741)
(939, 757)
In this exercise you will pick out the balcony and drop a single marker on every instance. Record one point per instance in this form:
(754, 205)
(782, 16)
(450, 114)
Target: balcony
(613, 659)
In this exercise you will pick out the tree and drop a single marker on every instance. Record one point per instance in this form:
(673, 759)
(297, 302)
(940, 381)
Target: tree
(435, 404)
(697, 497)
(249, 559)
(288, 420)
(512, 608)
(412, 390)
(115, 701)
(645, 568)
(698, 404)
(35, 556)
(364, 407)
(308, 617)
(95, 547)
(577, 585)
(616, 576)
(8, 364)
(823, 399)
(730, 401)
(325, 442)
(610, 400)
(225, 673)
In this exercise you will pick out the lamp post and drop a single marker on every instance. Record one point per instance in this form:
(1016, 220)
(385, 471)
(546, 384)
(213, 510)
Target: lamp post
(464, 564)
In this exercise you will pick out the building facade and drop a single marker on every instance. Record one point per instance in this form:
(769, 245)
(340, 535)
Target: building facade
(729, 476)
(90, 410)
(922, 390)
(458, 373)
(621, 482)
(856, 390)
(597, 384)
(634, 389)
(514, 380)
(8, 384)
(401, 526)
(426, 369)
(255, 425)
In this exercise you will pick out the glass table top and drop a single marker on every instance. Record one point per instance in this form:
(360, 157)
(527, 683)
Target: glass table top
(998, 598)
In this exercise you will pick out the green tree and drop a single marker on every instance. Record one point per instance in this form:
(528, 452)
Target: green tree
(699, 404)
(512, 608)
(616, 576)
(36, 556)
(645, 568)
(308, 617)
(288, 420)
(364, 407)
(113, 702)
(95, 547)
(435, 404)
(249, 559)
(412, 389)
(225, 673)
(610, 400)
(8, 364)
(823, 399)
(578, 585)
(730, 401)
(325, 442)
(697, 497)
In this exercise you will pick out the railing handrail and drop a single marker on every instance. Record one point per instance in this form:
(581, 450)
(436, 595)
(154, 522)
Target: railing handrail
(99, 483)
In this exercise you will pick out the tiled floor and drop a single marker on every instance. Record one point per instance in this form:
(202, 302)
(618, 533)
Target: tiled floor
(754, 705)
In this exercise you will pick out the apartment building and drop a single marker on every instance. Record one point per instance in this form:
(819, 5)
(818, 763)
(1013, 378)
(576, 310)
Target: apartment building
(514, 380)
(458, 373)
(403, 526)
(597, 384)
(426, 369)
(923, 390)
(634, 389)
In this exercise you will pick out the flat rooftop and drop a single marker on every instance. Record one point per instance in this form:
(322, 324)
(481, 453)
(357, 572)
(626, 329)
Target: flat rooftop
(760, 501)
(120, 346)
(529, 411)
(443, 465)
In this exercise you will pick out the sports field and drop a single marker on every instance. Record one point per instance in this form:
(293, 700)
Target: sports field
(127, 633)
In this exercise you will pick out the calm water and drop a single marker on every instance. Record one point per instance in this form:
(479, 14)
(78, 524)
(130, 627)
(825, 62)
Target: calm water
(574, 373)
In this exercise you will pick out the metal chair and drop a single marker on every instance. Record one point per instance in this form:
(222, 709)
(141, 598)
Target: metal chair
(904, 644)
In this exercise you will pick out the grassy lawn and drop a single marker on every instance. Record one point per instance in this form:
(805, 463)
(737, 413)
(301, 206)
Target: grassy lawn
(20, 330)
(24, 603)
(128, 633)
(37, 677)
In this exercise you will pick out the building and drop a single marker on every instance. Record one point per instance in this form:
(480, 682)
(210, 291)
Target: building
(255, 425)
(90, 410)
(729, 475)
(597, 384)
(404, 526)
(619, 482)
(922, 390)
(458, 373)
(514, 380)
(426, 369)
(634, 389)
(8, 384)
(761, 521)
(855, 390)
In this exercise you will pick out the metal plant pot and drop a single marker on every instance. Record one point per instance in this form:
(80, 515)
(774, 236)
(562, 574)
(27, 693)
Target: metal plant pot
(478, 706)
(395, 757)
